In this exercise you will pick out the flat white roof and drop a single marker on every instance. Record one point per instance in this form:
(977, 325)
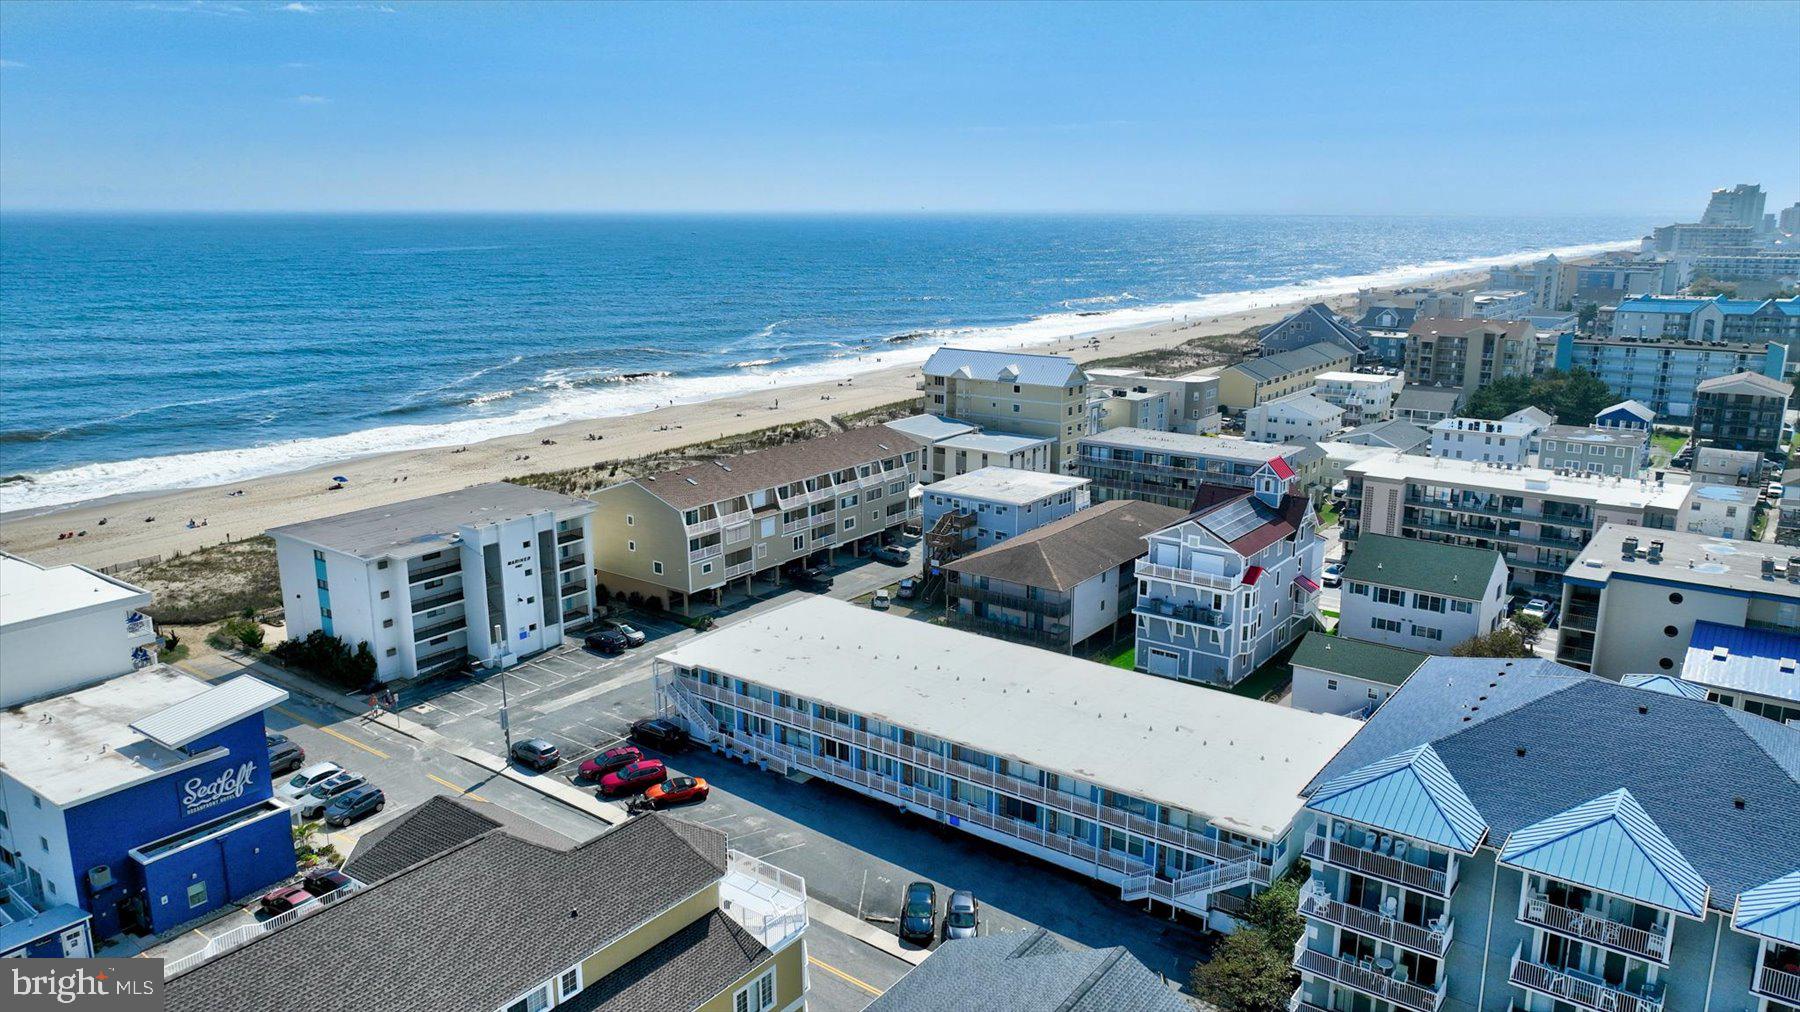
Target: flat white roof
(1186, 443)
(930, 428)
(1011, 485)
(1604, 491)
(994, 442)
(30, 592)
(1358, 377)
(1239, 763)
(1487, 426)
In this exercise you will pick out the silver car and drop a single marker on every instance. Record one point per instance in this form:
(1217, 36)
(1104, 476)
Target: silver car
(312, 805)
(962, 917)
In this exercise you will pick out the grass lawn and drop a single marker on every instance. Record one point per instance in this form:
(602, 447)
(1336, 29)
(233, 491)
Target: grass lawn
(1669, 444)
(1124, 656)
(1328, 516)
(1272, 679)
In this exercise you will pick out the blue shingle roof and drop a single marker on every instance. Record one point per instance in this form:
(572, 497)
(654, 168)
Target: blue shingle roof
(1771, 910)
(1005, 366)
(1668, 685)
(1410, 793)
(1761, 662)
(1613, 845)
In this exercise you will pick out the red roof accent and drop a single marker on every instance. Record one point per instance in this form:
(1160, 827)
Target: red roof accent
(1281, 468)
(1251, 575)
(1306, 583)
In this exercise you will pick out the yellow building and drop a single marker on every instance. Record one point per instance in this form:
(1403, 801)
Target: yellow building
(1006, 392)
(1260, 380)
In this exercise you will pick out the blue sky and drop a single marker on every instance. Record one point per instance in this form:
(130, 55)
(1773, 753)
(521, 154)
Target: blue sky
(1469, 108)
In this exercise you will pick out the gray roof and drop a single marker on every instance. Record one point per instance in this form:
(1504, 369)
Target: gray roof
(994, 442)
(1061, 554)
(682, 972)
(1592, 436)
(1431, 567)
(1374, 662)
(1403, 316)
(1029, 972)
(1697, 560)
(433, 828)
(1015, 486)
(1400, 434)
(930, 428)
(1745, 383)
(417, 526)
(197, 716)
(466, 929)
(1528, 739)
(1005, 367)
(699, 484)
(1322, 315)
(1319, 355)
(1305, 404)
(1533, 415)
(1191, 445)
(1418, 397)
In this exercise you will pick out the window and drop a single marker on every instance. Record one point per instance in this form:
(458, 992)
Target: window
(631, 546)
(630, 521)
(656, 567)
(705, 567)
(384, 595)
(1385, 624)
(1428, 602)
(1427, 632)
(1464, 607)
(318, 556)
(391, 651)
(1331, 684)
(569, 985)
(799, 542)
(1389, 595)
(382, 564)
(387, 623)
(1372, 694)
(196, 895)
(536, 1001)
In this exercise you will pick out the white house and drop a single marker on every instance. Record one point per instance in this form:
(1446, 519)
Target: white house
(1366, 397)
(63, 627)
(1298, 418)
(1334, 674)
(1484, 440)
(1421, 595)
(1720, 511)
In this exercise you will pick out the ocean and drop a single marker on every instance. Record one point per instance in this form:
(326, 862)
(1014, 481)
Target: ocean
(165, 351)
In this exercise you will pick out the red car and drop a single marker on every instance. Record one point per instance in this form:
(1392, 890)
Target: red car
(286, 898)
(675, 791)
(633, 778)
(609, 760)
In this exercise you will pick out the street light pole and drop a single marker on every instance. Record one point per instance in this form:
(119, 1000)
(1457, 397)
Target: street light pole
(505, 715)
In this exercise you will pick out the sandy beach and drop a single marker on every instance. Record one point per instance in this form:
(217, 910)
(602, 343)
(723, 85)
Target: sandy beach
(128, 534)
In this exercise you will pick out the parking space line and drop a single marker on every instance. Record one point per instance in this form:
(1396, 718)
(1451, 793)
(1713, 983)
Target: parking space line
(841, 975)
(780, 850)
(346, 738)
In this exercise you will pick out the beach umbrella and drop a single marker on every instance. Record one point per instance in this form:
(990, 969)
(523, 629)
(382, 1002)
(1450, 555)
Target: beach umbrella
(339, 478)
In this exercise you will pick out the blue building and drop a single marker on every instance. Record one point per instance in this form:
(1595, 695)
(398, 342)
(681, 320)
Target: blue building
(1626, 415)
(1661, 373)
(1519, 836)
(141, 802)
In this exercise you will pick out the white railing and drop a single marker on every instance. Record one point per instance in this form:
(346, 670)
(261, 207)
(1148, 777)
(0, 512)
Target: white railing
(1367, 979)
(740, 569)
(1176, 574)
(1381, 866)
(1432, 939)
(1579, 989)
(705, 552)
(737, 535)
(137, 623)
(1596, 928)
(766, 901)
(222, 943)
(1778, 984)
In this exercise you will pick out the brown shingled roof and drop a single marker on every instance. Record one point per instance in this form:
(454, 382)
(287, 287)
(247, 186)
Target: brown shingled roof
(699, 484)
(1062, 554)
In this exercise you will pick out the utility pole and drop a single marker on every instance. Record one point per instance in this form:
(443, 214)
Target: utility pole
(505, 715)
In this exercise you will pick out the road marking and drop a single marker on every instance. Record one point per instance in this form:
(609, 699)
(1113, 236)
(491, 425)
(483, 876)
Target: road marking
(291, 715)
(464, 791)
(780, 850)
(344, 737)
(841, 975)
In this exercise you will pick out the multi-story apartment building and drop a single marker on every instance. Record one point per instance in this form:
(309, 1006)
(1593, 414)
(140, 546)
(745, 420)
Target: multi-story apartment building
(1312, 325)
(1763, 265)
(1169, 467)
(1719, 319)
(1028, 395)
(1366, 397)
(982, 508)
(1620, 452)
(1720, 511)
(1425, 406)
(1251, 382)
(1296, 418)
(489, 573)
(1468, 354)
(1748, 669)
(1060, 584)
(1692, 239)
(1662, 374)
(1555, 284)
(1092, 769)
(63, 627)
(1743, 411)
(1224, 590)
(1486, 440)
(654, 913)
(1740, 205)
(1193, 398)
(952, 448)
(1133, 406)
(1500, 304)
(1421, 595)
(1631, 598)
(1335, 674)
(1498, 837)
(1538, 520)
(693, 530)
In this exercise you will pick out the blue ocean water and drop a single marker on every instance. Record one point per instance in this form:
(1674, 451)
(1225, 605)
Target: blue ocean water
(149, 351)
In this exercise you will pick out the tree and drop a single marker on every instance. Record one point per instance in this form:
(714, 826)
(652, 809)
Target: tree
(1586, 315)
(1502, 642)
(1707, 286)
(1276, 910)
(1248, 972)
(1530, 627)
(1573, 397)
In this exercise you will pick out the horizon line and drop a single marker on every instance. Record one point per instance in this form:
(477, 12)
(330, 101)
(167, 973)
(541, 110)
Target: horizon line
(823, 212)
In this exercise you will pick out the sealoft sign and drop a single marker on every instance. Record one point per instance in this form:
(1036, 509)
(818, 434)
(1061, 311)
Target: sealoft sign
(200, 794)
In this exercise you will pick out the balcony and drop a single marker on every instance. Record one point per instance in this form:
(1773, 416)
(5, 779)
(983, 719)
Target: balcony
(1381, 866)
(572, 534)
(439, 571)
(1777, 984)
(1596, 929)
(1191, 577)
(1431, 940)
(425, 604)
(1056, 607)
(139, 628)
(1367, 979)
(1581, 989)
(705, 552)
(440, 629)
(571, 562)
(1181, 611)
(736, 570)
(443, 660)
(764, 900)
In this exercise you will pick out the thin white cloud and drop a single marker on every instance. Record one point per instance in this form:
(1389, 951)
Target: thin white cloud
(311, 99)
(296, 65)
(301, 8)
(11, 64)
(213, 7)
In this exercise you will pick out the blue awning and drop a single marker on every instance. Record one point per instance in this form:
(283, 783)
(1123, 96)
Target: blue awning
(1771, 910)
(1412, 794)
(1611, 844)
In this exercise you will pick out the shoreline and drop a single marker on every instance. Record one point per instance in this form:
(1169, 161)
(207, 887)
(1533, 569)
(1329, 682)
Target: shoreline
(386, 477)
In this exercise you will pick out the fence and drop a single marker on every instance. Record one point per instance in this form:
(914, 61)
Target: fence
(125, 567)
(243, 935)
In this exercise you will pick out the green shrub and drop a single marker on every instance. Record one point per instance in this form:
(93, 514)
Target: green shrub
(329, 658)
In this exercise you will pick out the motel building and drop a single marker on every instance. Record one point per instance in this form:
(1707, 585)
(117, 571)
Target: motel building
(134, 805)
(1183, 797)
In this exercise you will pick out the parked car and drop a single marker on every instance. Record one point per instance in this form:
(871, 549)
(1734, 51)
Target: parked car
(1538, 608)
(306, 780)
(677, 790)
(285, 756)
(280, 901)
(1774, 490)
(660, 733)
(597, 766)
(607, 641)
(1334, 575)
(893, 555)
(537, 754)
(962, 915)
(633, 637)
(918, 913)
(272, 738)
(881, 600)
(320, 881)
(813, 578)
(314, 803)
(633, 778)
(909, 588)
(353, 805)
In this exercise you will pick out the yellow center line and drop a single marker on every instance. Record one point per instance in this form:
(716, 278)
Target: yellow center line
(464, 791)
(291, 715)
(835, 972)
(346, 738)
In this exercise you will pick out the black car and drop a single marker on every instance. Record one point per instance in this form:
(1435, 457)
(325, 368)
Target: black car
(537, 754)
(347, 808)
(918, 913)
(285, 756)
(320, 881)
(607, 641)
(660, 733)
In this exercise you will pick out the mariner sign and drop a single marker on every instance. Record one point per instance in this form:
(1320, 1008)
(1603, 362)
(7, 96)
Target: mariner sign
(198, 794)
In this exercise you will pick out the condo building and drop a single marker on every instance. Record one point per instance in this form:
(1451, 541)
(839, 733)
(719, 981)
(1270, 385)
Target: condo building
(1169, 467)
(1193, 399)
(1251, 382)
(1313, 324)
(1631, 598)
(1740, 321)
(952, 448)
(1135, 406)
(1227, 588)
(982, 508)
(1468, 354)
(1177, 796)
(1749, 669)
(1484, 440)
(1498, 837)
(1738, 205)
(1028, 395)
(1296, 418)
(1618, 452)
(1743, 411)
(488, 574)
(1366, 397)
(1662, 374)
(1420, 595)
(694, 530)
(1537, 520)
(64, 627)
